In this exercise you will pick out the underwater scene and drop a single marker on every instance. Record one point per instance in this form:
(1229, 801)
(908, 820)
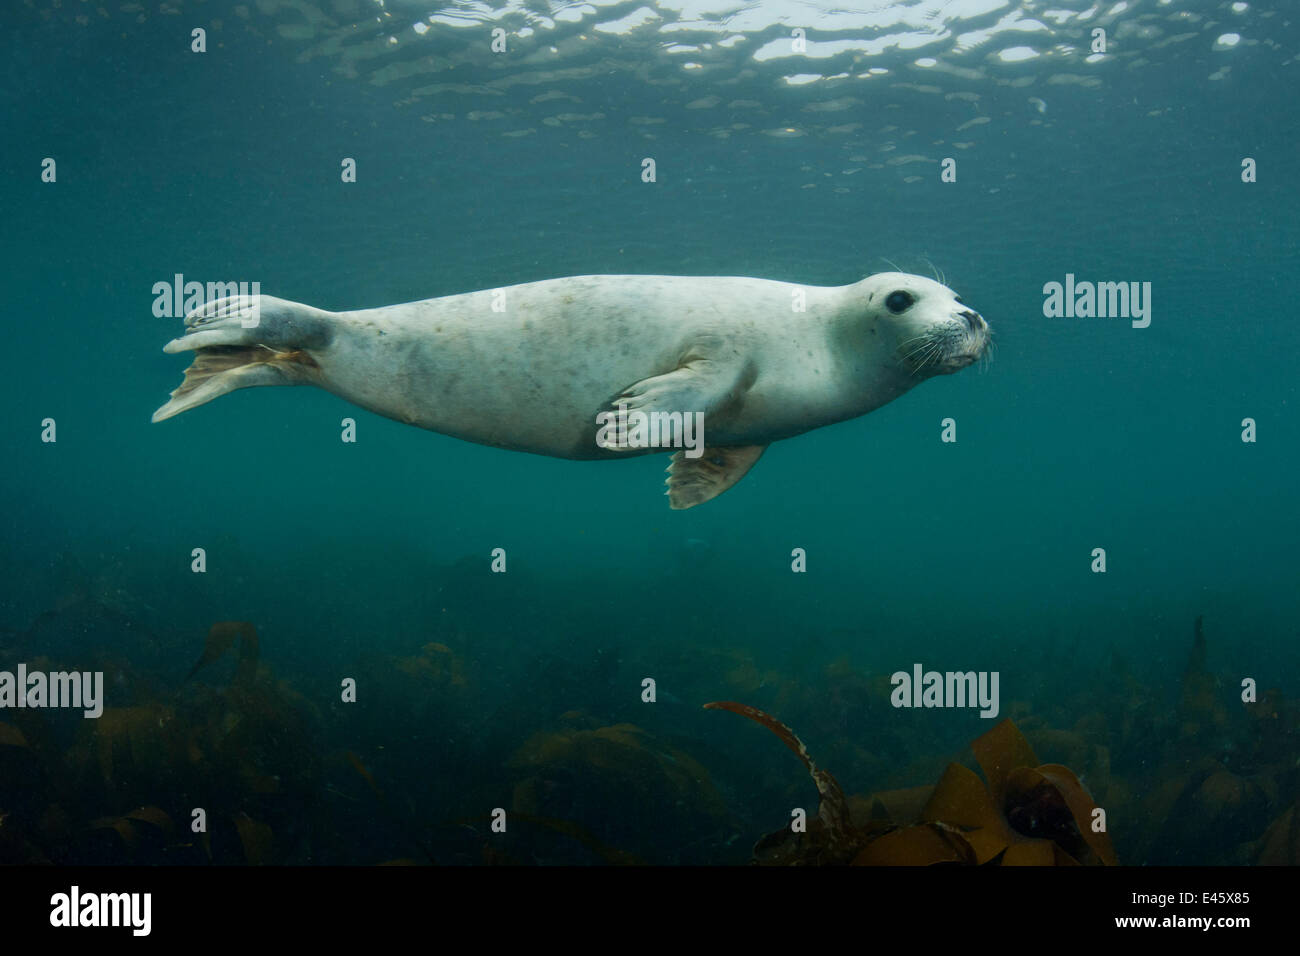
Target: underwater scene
(773, 432)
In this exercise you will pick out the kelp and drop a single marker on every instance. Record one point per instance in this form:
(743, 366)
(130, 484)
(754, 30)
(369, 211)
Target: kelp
(141, 738)
(925, 844)
(11, 736)
(242, 750)
(1036, 803)
(1226, 768)
(1281, 843)
(404, 821)
(143, 830)
(1021, 813)
(624, 753)
(256, 838)
(436, 664)
(221, 637)
(834, 809)
(16, 847)
(828, 839)
(575, 773)
(1079, 751)
(494, 855)
(364, 773)
(831, 837)
(1203, 804)
(1200, 709)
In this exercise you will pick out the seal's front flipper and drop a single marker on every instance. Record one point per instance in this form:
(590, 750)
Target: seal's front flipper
(693, 481)
(242, 341)
(698, 385)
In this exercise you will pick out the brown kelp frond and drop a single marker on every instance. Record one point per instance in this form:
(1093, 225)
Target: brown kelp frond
(1281, 842)
(834, 809)
(404, 821)
(355, 762)
(143, 824)
(1021, 814)
(583, 836)
(256, 838)
(1000, 751)
(1062, 784)
(221, 637)
(1200, 710)
(155, 817)
(1030, 814)
(568, 772)
(925, 844)
(963, 801)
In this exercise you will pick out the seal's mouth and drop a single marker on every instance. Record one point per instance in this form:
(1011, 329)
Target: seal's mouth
(948, 346)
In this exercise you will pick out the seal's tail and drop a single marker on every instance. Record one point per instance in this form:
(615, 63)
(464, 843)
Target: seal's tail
(242, 341)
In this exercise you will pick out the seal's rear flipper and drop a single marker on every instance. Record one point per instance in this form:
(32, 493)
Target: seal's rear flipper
(243, 341)
(220, 369)
(693, 481)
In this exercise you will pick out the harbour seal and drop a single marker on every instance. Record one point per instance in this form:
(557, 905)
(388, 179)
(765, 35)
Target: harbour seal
(572, 367)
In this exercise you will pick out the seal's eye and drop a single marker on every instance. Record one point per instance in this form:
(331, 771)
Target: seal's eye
(899, 302)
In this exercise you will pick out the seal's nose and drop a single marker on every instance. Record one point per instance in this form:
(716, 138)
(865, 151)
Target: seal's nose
(974, 321)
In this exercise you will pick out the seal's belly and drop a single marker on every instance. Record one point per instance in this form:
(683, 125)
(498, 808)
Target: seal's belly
(532, 373)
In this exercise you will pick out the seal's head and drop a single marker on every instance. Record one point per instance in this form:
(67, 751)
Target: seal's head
(935, 332)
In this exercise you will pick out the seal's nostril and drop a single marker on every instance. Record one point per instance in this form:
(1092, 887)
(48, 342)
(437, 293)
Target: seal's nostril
(973, 320)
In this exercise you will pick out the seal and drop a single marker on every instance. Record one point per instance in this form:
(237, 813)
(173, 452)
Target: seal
(587, 367)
